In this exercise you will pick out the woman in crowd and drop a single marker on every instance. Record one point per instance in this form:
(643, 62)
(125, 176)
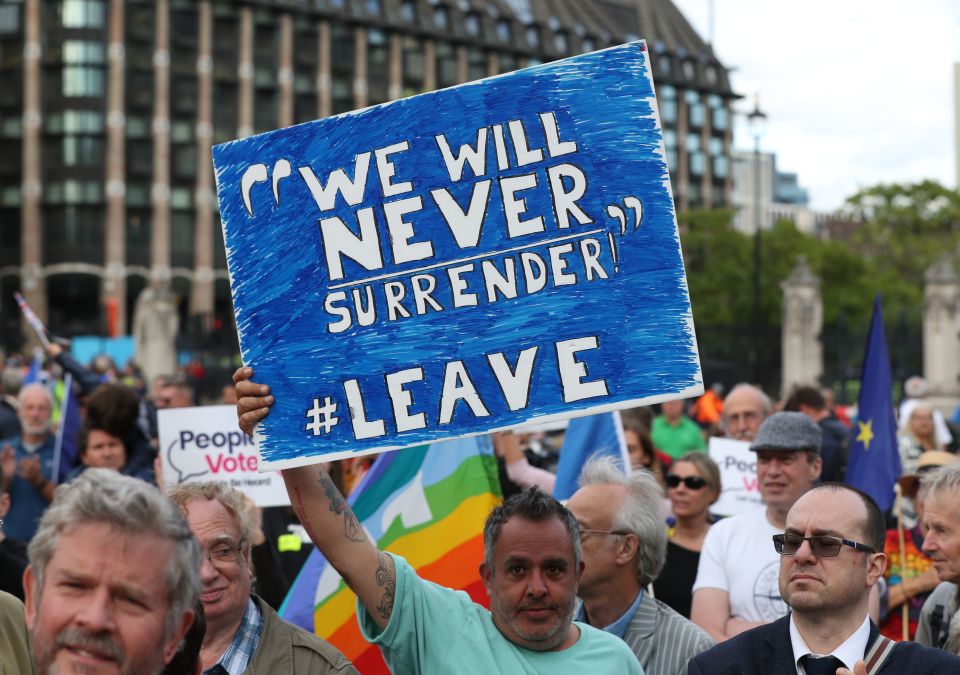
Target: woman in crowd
(917, 435)
(693, 484)
(100, 449)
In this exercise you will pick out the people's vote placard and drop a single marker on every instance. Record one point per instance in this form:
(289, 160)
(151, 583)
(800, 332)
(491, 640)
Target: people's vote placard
(739, 489)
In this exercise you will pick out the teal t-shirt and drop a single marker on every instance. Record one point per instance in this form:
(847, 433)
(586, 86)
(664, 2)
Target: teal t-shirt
(438, 630)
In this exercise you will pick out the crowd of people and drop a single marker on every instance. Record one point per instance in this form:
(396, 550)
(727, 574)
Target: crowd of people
(633, 574)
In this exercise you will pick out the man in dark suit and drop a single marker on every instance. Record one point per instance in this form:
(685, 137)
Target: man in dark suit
(831, 556)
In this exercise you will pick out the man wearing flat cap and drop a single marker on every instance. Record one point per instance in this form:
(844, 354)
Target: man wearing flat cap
(737, 580)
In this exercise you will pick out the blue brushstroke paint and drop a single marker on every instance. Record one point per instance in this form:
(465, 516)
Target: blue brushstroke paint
(641, 314)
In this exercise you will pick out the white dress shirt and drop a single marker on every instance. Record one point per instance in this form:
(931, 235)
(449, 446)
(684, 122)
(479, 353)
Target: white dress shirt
(850, 650)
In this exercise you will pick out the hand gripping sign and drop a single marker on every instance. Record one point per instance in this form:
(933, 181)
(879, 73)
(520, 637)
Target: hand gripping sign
(460, 261)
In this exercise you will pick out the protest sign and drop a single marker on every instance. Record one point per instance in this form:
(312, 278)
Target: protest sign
(204, 444)
(739, 489)
(460, 261)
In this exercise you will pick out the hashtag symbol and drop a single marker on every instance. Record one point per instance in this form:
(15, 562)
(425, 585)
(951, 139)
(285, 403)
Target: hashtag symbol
(321, 417)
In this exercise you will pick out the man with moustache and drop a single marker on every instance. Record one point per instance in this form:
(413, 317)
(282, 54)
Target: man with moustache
(736, 585)
(244, 635)
(831, 556)
(112, 579)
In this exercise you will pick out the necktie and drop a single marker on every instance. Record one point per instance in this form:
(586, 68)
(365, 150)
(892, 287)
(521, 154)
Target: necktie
(825, 665)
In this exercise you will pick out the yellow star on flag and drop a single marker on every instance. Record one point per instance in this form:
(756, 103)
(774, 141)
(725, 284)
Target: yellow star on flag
(866, 433)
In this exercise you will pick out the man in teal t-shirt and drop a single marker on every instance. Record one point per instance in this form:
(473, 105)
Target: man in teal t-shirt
(674, 433)
(532, 566)
(437, 630)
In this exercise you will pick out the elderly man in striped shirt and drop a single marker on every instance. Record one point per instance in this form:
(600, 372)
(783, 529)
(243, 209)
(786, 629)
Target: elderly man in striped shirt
(624, 546)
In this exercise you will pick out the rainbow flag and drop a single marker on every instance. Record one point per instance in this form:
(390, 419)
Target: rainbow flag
(427, 504)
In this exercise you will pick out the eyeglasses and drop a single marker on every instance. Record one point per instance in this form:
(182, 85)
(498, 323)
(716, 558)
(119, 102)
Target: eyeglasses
(822, 545)
(619, 533)
(223, 554)
(692, 482)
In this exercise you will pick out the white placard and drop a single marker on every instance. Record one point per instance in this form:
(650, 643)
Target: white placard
(205, 444)
(740, 490)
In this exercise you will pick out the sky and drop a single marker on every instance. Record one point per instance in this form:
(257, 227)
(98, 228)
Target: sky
(856, 92)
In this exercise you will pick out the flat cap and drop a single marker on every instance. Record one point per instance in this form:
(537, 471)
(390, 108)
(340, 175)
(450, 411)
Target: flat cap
(787, 431)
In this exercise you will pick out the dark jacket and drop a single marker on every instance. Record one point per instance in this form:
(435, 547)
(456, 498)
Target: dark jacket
(767, 650)
(285, 648)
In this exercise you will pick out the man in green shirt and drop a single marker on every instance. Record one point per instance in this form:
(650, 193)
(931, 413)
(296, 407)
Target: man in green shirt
(531, 570)
(674, 433)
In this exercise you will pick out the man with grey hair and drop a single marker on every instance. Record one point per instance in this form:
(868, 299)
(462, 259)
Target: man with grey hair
(244, 634)
(939, 624)
(112, 579)
(28, 462)
(624, 543)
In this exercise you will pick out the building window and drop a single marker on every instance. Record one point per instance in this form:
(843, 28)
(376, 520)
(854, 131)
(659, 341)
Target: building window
(693, 143)
(82, 51)
(507, 63)
(561, 43)
(476, 63)
(82, 81)
(82, 13)
(472, 24)
(533, 37)
(441, 17)
(374, 7)
(342, 66)
(503, 30)
(721, 119)
(696, 111)
(689, 70)
(408, 11)
(710, 72)
(668, 104)
(698, 163)
(378, 66)
(446, 64)
(10, 19)
(664, 64)
(721, 166)
(413, 65)
(588, 45)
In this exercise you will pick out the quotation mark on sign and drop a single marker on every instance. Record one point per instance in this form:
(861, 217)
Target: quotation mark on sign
(631, 206)
(321, 417)
(257, 173)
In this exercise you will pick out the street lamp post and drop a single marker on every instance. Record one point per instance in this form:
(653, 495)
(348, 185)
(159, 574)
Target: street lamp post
(757, 120)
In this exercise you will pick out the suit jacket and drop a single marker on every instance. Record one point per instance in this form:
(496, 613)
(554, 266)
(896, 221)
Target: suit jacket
(767, 650)
(663, 640)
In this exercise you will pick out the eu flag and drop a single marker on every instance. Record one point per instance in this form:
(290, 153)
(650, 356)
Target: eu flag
(874, 465)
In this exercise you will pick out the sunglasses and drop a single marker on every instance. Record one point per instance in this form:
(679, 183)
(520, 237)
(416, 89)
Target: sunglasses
(822, 545)
(692, 482)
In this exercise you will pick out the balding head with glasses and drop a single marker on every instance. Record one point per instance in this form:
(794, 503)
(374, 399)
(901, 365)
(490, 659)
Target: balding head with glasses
(831, 557)
(219, 521)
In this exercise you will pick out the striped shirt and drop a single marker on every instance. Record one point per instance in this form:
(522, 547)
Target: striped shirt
(234, 661)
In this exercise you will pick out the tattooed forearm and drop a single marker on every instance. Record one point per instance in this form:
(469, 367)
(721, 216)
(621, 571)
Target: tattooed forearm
(337, 503)
(352, 528)
(386, 579)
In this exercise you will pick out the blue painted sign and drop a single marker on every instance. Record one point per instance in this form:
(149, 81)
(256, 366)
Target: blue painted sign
(460, 261)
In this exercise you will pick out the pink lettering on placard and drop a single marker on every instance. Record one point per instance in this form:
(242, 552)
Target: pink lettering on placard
(230, 464)
(751, 484)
